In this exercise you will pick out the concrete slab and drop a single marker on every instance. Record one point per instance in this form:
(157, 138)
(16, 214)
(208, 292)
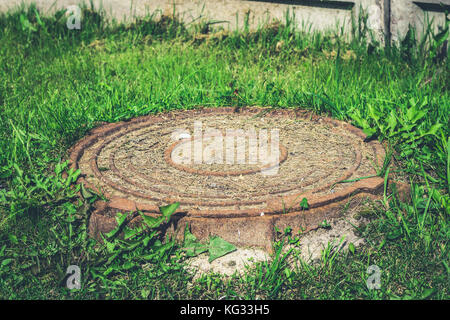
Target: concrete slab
(386, 18)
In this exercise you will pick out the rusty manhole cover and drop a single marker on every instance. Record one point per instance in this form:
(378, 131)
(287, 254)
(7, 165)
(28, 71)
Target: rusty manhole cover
(211, 161)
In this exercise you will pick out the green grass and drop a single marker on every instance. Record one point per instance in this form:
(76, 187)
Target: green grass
(56, 84)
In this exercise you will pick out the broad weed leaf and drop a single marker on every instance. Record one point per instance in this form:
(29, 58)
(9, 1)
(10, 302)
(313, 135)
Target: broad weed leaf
(85, 193)
(434, 129)
(218, 248)
(392, 122)
(120, 218)
(168, 210)
(370, 132)
(152, 222)
(192, 246)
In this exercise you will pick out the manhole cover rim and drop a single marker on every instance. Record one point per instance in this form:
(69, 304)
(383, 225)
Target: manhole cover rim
(370, 186)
